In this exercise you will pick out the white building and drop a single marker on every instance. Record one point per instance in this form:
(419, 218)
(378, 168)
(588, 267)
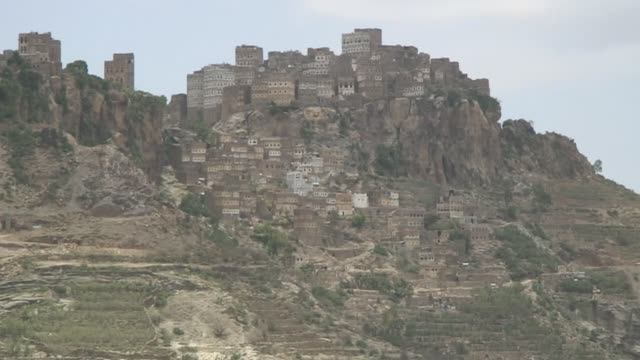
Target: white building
(360, 200)
(298, 184)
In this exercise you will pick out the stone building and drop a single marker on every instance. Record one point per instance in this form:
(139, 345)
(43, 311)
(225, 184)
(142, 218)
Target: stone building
(361, 42)
(274, 87)
(195, 81)
(195, 152)
(385, 199)
(370, 78)
(120, 70)
(320, 60)
(215, 78)
(288, 61)
(344, 204)
(307, 225)
(360, 200)
(481, 86)
(244, 75)
(249, 56)
(445, 71)
(285, 204)
(346, 85)
(451, 206)
(42, 51)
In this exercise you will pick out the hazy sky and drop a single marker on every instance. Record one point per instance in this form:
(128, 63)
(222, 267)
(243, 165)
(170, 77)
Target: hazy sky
(571, 66)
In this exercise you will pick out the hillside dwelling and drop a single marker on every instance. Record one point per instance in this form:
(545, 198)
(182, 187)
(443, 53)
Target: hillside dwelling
(272, 143)
(285, 204)
(195, 152)
(385, 199)
(451, 206)
(344, 204)
(306, 223)
(360, 200)
(439, 237)
(479, 232)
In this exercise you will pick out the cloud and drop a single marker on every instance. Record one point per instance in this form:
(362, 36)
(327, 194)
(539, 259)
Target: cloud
(421, 10)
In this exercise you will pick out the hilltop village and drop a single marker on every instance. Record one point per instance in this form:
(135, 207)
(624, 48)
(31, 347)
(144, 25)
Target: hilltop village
(361, 205)
(307, 183)
(307, 179)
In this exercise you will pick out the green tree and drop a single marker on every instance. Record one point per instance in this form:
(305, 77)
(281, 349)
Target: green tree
(358, 220)
(597, 166)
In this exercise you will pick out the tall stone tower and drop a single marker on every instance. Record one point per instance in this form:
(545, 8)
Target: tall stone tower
(249, 56)
(120, 70)
(42, 51)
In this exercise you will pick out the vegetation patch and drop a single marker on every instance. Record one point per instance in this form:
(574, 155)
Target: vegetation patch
(396, 288)
(609, 282)
(522, 256)
(102, 316)
(329, 297)
(275, 241)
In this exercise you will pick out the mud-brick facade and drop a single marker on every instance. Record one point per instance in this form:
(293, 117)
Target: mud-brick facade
(120, 70)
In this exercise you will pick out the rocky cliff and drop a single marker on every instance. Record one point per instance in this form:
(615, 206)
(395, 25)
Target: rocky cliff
(86, 107)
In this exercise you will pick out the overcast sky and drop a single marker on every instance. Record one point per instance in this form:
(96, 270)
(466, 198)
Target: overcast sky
(571, 66)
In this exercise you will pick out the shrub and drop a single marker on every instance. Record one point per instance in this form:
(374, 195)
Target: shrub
(21, 144)
(396, 288)
(177, 331)
(358, 220)
(194, 205)
(380, 250)
(541, 201)
(389, 161)
(329, 297)
(273, 240)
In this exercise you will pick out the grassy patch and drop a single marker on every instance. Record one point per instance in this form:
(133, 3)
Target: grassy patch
(609, 282)
(102, 316)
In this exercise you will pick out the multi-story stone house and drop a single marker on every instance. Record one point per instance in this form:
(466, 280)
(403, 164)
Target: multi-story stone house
(274, 87)
(451, 206)
(244, 75)
(42, 51)
(195, 90)
(216, 77)
(285, 204)
(385, 198)
(361, 42)
(250, 56)
(120, 70)
(272, 168)
(307, 225)
(287, 61)
(344, 204)
(319, 61)
(346, 85)
(195, 152)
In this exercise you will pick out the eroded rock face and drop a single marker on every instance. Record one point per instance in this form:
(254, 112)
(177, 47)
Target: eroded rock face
(547, 154)
(463, 144)
(455, 144)
(107, 182)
